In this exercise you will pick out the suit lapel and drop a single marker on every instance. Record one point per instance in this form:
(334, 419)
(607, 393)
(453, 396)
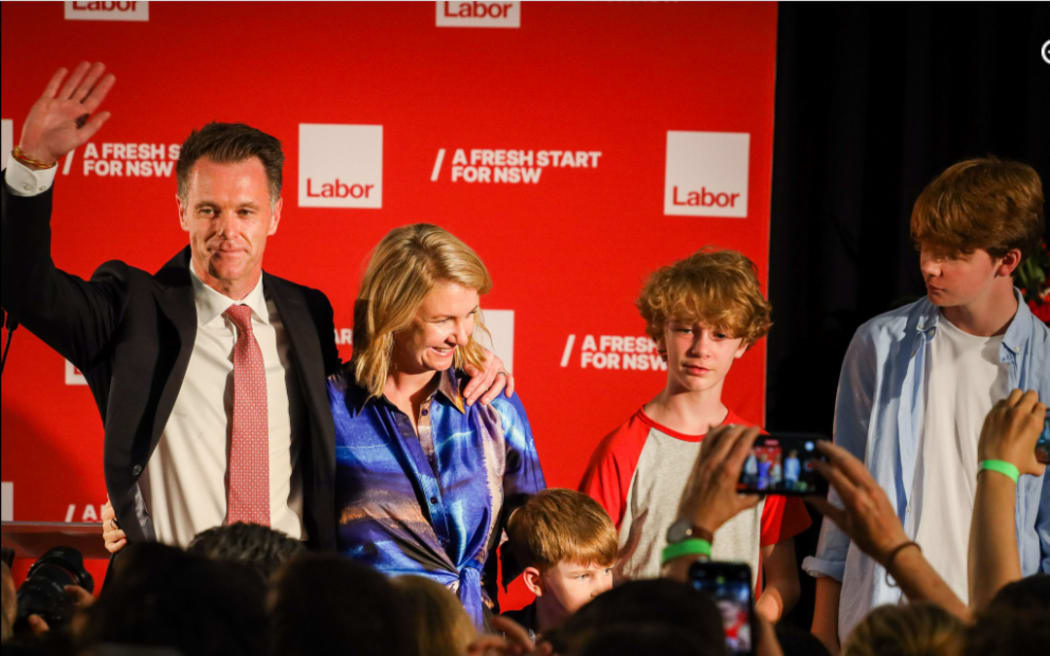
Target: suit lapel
(305, 347)
(175, 299)
(303, 324)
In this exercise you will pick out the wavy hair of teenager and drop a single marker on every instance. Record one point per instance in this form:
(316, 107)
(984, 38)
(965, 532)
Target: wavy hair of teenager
(404, 267)
(719, 287)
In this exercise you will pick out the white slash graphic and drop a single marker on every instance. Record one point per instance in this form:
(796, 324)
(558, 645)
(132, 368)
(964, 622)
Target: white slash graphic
(437, 165)
(568, 350)
(69, 162)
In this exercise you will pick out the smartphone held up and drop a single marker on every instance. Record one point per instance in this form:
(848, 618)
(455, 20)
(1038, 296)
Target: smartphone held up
(1042, 445)
(729, 585)
(783, 464)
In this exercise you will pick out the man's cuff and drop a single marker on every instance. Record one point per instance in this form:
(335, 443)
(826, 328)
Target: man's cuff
(818, 567)
(24, 181)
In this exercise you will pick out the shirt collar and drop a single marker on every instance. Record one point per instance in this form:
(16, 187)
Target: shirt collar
(926, 321)
(211, 304)
(1017, 333)
(1020, 328)
(448, 387)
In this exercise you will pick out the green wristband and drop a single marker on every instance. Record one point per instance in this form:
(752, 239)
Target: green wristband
(1005, 468)
(690, 547)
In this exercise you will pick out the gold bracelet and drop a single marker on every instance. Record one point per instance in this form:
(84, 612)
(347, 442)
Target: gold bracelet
(17, 153)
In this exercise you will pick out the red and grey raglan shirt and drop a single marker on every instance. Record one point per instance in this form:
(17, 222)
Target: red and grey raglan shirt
(637, 474)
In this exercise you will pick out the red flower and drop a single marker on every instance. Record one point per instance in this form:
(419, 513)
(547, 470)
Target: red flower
(1041, 311)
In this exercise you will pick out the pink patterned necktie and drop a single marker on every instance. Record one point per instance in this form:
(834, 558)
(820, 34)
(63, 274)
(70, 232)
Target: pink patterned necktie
(248, 477)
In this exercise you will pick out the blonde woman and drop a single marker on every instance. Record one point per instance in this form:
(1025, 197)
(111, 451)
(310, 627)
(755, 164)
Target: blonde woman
(425, 482)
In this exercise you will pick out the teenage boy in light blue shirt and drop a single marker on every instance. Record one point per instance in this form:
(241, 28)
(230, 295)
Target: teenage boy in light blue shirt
(917, 381)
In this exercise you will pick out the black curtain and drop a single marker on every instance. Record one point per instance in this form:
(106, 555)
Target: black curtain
(872, 102)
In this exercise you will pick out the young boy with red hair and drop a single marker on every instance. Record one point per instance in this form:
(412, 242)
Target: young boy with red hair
(567, 545)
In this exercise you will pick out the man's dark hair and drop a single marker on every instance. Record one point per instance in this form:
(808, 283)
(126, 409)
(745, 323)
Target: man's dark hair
(261, 547)
(652, 603)
(160, 595)
(226, 143)
(330, 604)
(1014, 622)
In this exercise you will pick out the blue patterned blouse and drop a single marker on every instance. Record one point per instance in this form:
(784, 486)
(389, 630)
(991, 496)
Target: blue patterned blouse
(437, 512)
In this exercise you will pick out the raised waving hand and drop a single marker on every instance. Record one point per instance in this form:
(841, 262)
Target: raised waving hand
(65, 117)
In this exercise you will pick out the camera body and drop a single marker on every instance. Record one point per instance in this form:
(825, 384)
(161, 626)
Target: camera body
(43, 593)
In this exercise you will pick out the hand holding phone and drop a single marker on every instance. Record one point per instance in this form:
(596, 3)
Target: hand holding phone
(729, 584)
(866, 514)
(710, 497)
(1042, 445)
(1011, 432)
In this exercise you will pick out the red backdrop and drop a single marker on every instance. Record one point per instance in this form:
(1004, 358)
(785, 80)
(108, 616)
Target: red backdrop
(667, 109)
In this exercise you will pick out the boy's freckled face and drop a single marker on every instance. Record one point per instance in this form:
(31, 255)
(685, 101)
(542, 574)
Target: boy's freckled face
(699, 356)
(957, 280)
(572, 585)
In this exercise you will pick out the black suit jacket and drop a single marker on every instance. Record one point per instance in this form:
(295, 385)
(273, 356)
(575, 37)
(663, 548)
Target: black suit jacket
(131, 334)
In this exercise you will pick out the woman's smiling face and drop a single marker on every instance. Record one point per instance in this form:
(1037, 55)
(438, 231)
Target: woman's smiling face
(443, 322)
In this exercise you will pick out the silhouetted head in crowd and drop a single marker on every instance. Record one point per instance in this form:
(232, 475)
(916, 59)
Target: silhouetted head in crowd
(916, 629)
(798, 642)
(1017, 621)
(160, 595)
(261, 547)
(9, 602)
(1031, 592)
(650, 603)
(644, 638)
(440, 625)
(330, 604)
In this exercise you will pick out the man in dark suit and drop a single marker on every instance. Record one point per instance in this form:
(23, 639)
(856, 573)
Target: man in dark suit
(209, 374)
(155, 348)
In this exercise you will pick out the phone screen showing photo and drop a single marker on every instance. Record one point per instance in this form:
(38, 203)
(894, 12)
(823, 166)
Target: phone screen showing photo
(1042, 445)
(783, 464)
(729, 584)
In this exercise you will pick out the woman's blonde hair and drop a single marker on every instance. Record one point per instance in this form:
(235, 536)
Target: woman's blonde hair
(916, 629)
(404, 267)
(440, 625)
